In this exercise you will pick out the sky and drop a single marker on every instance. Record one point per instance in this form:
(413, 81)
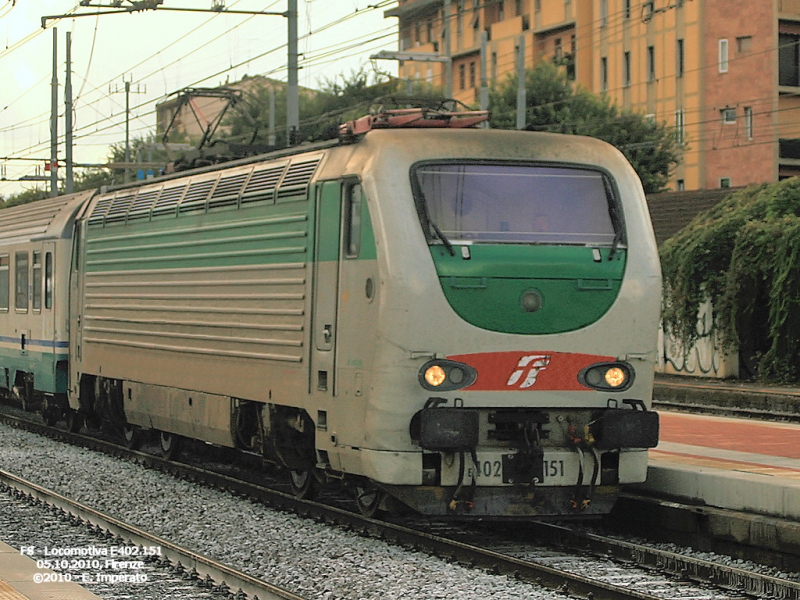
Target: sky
(159, 52)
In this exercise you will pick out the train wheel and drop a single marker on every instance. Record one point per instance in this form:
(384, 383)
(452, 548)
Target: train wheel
(368, 499)
(74, 420)
(168, 444)
(304, 485)
(132, 436)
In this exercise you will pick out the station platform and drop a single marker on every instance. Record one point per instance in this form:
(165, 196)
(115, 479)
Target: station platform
(739, 474)
(18, 580)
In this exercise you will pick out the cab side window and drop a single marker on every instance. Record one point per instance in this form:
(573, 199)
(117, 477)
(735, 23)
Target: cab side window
(21, 279)
(352, 215)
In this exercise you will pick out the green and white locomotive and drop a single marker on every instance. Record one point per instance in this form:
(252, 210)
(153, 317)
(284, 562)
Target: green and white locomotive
(457, 320)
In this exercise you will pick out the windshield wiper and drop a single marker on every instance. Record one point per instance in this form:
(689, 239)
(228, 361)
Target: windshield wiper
(615, 245)
(443, 237)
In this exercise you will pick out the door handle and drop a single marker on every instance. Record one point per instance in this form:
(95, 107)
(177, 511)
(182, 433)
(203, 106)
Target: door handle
(327, 334)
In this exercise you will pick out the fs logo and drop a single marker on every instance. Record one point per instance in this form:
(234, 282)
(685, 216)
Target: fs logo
(529, 366)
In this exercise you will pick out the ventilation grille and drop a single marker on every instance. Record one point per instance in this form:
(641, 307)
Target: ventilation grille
(143, 203)
(261, 183)
(195, 198)
(297, 178)
(228, 190)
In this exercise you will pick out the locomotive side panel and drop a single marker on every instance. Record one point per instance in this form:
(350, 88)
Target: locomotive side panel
(202, 284)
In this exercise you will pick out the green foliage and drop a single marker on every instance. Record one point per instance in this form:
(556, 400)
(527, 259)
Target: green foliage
(553, 103)
(338, 100)
(744, 256)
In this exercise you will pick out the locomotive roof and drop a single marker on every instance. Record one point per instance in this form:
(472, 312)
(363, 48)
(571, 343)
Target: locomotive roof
(42, 219)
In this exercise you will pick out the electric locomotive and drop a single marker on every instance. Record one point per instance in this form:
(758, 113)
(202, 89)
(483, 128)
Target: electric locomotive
(455, 320)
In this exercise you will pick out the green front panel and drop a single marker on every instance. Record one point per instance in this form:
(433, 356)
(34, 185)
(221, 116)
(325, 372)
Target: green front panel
(255, 235)
(489, 289)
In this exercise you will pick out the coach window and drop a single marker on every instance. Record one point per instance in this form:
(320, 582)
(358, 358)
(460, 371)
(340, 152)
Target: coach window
(37, 281)
(352, 227)
(48, 280)
(21, 279)
(4, 283)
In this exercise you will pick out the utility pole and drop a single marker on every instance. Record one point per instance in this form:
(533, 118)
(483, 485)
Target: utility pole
(54, 120)
(127, 90)
(448, 65)
(521, 99)
(292, 91)
(484, 93)
(70, 187)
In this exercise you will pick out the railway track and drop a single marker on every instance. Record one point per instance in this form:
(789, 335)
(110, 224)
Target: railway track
(500, 553)
(135, 539)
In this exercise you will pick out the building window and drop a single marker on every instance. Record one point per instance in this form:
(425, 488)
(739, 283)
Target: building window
(680, 126)
(743, 44)
(537, 5)
(748, 122)
(472, 74)
(494, 67)
(627, 8)
(728, 116)
(788, 60)
(681, 185)
(501, 10)
(429, 26)
(651, 63)
(723, 56)
(603, 13)
(517, 8)
(725, 182)
(604, 74)
(462, 76)
(679, 58)
(559, 54)
(626, 69)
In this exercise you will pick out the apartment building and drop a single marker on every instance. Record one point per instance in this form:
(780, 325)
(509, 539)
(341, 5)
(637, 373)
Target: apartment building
(724, 73)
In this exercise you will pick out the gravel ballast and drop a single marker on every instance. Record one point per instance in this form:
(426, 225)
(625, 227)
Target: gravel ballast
(308, 558)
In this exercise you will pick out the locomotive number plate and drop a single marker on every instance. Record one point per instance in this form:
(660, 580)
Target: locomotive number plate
(558, 469)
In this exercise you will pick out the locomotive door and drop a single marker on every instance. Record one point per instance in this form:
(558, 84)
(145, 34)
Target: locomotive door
(326, 288)
(76, 284)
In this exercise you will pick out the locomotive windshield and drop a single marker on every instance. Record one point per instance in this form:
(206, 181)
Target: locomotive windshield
(516, 204)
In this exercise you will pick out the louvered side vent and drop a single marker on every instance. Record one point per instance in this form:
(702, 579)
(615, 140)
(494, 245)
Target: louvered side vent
(99, 212)
(168, 201)
(143, 203)
(227, 191)
(119, 208)
(195, 198)
(295, 182)
(261, 186)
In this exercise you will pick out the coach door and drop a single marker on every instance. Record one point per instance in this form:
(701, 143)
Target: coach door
(326, 288)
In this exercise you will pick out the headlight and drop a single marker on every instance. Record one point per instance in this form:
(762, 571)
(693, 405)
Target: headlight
(435, 376)
(607, 377)
(446, 375)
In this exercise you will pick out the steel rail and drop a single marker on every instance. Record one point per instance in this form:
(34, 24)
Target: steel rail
(204, 566)
(726, 577)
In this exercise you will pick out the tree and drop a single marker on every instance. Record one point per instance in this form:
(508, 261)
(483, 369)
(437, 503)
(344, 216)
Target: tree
(553, 103)
(744, 256)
